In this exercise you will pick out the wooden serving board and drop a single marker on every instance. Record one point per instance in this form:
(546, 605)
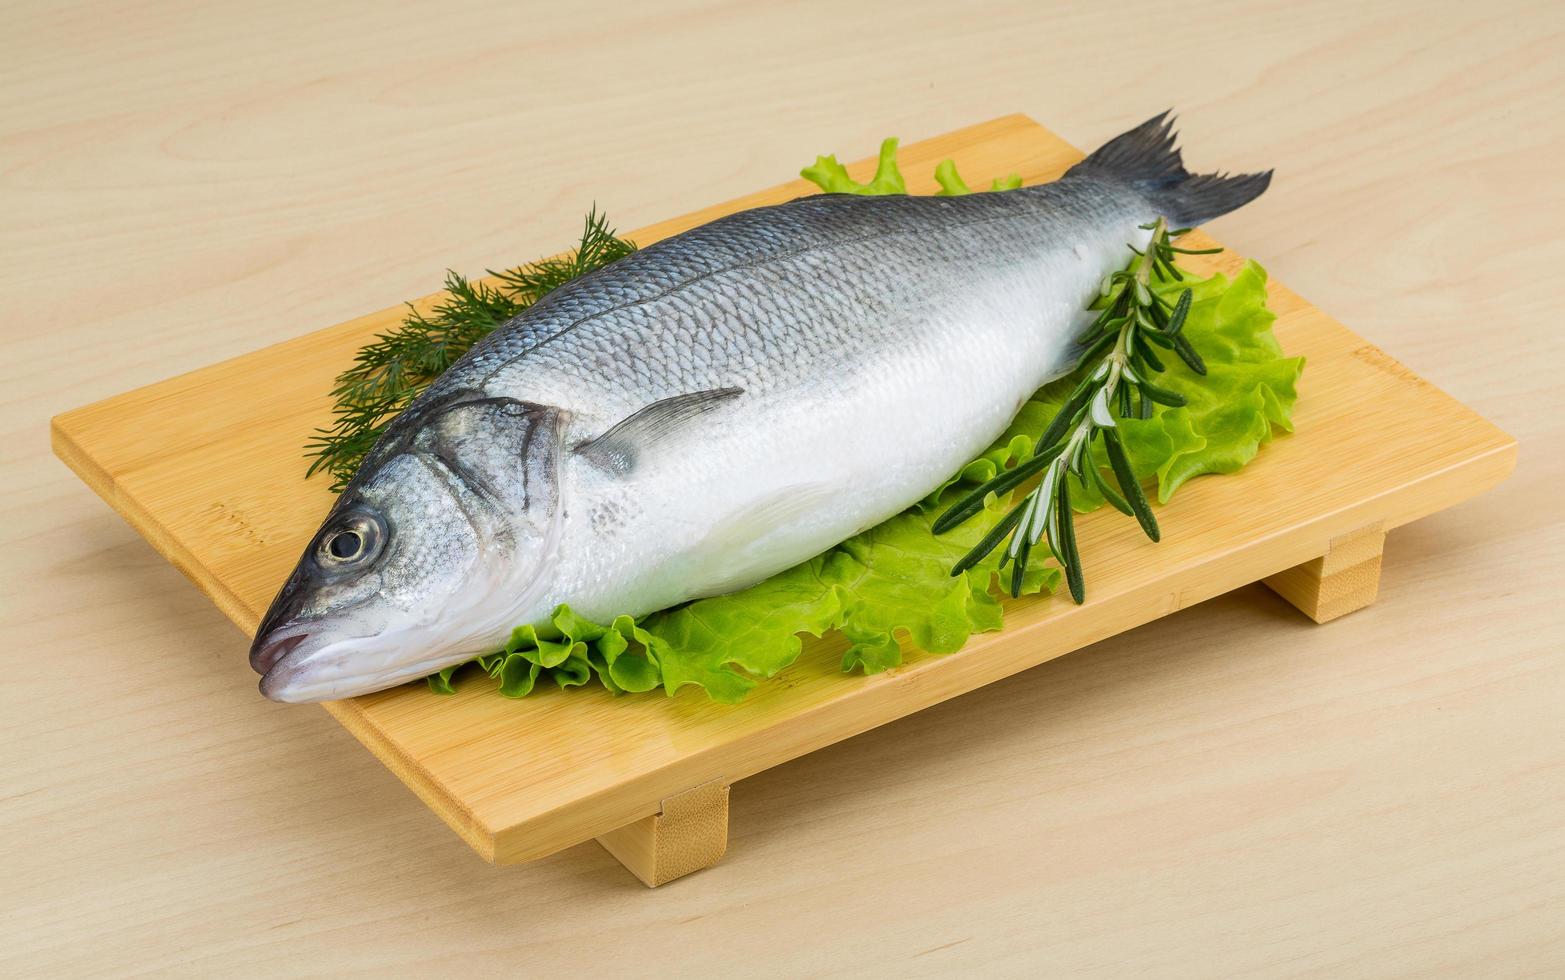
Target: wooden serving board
(208, 467)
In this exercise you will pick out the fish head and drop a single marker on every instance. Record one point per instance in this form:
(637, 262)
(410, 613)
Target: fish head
(444, 537)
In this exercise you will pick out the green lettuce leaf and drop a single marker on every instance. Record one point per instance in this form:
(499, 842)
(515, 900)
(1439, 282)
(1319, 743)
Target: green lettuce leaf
(952, 184)
(832, 177)
(889, 589)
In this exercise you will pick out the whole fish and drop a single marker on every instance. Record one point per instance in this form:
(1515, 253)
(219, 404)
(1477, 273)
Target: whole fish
(711, 410)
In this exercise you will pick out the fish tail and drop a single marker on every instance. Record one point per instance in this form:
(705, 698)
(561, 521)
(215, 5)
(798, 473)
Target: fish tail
(1148, 159)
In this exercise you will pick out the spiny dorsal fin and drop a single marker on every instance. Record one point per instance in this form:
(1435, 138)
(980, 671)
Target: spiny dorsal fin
(618, 448)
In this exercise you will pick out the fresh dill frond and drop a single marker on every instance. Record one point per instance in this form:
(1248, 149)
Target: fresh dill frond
(391, 371)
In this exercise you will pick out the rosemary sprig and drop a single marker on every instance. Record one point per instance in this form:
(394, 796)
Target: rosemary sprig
(391, 371)
(1133, 321)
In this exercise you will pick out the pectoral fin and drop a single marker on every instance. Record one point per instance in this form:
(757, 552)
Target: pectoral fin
(620, 447)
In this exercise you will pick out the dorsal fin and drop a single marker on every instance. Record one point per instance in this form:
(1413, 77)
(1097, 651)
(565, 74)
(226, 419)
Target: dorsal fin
(618, 448)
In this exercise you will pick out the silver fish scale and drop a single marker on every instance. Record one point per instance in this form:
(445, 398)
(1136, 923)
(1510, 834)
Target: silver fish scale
(795, 292)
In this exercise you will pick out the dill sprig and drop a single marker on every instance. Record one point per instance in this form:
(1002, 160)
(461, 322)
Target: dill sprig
(1133, 319)
(391, 371)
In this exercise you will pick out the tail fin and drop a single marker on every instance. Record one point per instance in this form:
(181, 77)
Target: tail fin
(1147, 159)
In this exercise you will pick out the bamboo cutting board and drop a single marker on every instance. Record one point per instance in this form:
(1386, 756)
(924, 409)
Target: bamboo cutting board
(208, 467)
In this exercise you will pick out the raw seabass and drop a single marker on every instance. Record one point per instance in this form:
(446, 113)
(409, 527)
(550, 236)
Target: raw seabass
(709, 411)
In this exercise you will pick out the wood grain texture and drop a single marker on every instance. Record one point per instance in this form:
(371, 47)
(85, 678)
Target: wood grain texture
(688, 833)
(207, 464)
(1379, 797)
(1345, 579)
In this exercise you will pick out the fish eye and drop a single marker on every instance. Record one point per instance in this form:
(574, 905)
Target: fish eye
(345, 545)
(354, 539)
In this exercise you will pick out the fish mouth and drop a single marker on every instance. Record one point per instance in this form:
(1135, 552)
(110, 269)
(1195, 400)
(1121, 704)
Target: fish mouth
(304, 679)
(288, 663)
(307, 666)
(282, 683)
(270, 648)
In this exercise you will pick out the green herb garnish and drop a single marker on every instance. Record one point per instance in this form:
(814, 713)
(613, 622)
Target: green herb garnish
(391, 371)
(1134, 317)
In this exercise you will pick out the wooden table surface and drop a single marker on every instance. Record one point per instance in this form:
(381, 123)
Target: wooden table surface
(1230, 790)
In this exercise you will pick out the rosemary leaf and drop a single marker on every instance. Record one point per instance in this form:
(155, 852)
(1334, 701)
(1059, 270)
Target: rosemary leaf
(1067, 545)
(1129, 484)
(973, 501)
(988, 542)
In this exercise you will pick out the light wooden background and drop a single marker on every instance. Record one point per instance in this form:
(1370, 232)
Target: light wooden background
(1227, 791)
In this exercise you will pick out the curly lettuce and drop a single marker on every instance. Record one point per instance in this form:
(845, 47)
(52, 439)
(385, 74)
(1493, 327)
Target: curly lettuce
(890, 587)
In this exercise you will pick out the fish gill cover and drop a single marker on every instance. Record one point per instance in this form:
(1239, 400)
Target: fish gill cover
(895, 578)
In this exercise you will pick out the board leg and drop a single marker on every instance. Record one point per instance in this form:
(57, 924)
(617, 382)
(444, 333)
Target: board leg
(688, 834)
(1345, 579)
